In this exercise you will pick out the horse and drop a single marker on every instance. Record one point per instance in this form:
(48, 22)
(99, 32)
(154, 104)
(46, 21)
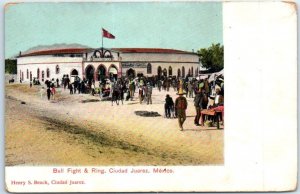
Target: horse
(11, 81)
(117, 94)
(122, 91)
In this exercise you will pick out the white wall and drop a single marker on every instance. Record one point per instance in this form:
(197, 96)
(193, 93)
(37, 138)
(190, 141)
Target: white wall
(47, 59)
(176, 61)
(65, 68)
(160, 57)
(67, 64)
(175, 67)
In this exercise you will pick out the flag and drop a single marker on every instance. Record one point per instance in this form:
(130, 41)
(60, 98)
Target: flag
(106, 34)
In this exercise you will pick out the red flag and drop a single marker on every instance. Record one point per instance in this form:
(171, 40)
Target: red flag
(106, 34)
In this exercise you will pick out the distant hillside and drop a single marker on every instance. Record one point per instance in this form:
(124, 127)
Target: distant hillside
(54, 46)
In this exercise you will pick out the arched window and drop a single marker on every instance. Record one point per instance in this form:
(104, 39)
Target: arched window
(159, 71)
(22, 76)
(149, 68)
(170, 71)
(178, 73)
(30, 76)
(57, 69)
(43, 75)
(183, 71)
(165, 72)
(189, 74)
(196, 71)
(38, 73)
(74, 72)
(48, 73)
(192, 72)
(27, 74)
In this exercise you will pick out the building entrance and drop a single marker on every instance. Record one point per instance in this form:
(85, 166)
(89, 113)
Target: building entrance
(113, 73)
(89, 73)
(101, 73)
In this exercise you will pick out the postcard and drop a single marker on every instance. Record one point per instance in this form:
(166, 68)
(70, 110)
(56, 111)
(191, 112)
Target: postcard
(130, 96)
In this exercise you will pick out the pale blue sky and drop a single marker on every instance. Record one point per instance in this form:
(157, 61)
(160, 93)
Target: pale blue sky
(177, 25)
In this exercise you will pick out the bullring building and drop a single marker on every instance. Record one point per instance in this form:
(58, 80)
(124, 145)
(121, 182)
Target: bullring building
(96, 64)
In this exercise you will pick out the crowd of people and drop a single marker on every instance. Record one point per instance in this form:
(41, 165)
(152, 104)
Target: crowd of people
(50, 91)
(205, 94)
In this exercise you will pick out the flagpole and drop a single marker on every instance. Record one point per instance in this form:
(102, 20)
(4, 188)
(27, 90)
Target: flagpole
(102, 43)
(102, 40)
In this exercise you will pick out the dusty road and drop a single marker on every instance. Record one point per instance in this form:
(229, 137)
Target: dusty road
(66, 131)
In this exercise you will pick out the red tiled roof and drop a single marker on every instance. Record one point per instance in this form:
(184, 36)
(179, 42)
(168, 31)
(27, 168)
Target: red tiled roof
(148, 50)
(57, 51)
(83, 50)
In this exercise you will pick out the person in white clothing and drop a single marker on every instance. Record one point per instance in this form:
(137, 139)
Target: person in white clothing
(42, 91)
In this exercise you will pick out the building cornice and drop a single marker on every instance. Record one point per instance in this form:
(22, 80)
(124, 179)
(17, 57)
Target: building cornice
(159, 62)
(42, 63)
(57, 62)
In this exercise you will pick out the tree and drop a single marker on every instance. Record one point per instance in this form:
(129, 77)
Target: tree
(11, 66)
(212, 58)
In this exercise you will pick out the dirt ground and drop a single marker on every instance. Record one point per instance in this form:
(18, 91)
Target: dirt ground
(66, 131)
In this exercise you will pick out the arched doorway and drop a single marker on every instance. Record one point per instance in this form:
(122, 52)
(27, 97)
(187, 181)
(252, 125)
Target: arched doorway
(178, 73)
(159, 72)
(89, 72)
(130, 73)
(101, 72)
(192, 72)
(74, 72)
(74, 75)
(189, 74)
(183, 72)
(170, 71)
(165, 73)
(113, 72)
(196, 71)
(30, 76)
(149, 68)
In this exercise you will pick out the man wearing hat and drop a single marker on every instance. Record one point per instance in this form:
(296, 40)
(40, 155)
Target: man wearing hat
(149, 93)
(181, 105)
(197, 104)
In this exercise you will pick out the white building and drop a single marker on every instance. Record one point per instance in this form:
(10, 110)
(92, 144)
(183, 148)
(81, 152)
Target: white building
(99, 63)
